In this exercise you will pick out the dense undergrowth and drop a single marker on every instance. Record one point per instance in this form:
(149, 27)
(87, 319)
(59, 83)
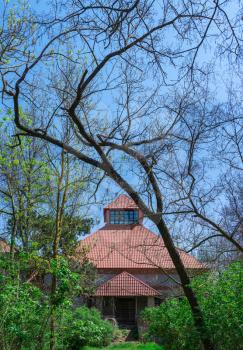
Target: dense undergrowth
(25, 311)
(25, 316)
(221, 299)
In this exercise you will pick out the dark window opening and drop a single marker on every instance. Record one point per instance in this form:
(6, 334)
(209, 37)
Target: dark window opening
(157, 301)
(123, 217)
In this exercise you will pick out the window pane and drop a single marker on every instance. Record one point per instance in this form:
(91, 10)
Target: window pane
(123, 216)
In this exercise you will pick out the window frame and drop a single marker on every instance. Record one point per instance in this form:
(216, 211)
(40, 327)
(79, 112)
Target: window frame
(123, 216)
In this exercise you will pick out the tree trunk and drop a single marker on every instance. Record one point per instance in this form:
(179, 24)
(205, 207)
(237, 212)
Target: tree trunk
(52, 316)
(13, 238)
(185, 281)
(61, 200)
(54, 284)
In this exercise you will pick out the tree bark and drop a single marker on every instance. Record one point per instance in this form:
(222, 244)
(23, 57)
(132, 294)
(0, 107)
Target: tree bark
(61, 200)
(52, 316)
(13, 238)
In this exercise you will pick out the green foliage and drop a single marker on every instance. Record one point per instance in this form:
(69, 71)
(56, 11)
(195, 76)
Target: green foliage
(23, 312)
(130, 346)
(171, 324)
(29, 174)
(149, 346)
(25, 309)
(72, 280)
(84, 326)
(24, 179)
(73, 227)
(221, 298)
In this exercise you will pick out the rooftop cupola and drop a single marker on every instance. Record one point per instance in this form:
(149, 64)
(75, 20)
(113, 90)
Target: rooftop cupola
(123, 211)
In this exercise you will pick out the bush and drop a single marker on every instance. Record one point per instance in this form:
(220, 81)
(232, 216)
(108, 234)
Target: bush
(171, 324)
(83, 326)
(23, 312)
(220, 298)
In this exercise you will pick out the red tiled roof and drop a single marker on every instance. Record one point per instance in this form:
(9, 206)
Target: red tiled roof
(4, 247)
(125, 284)
(122, 202)
(131, 247)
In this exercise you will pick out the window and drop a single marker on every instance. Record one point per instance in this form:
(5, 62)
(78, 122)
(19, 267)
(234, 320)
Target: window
(123, 217)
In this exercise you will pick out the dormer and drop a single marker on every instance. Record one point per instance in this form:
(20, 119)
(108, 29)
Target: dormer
(123, 211)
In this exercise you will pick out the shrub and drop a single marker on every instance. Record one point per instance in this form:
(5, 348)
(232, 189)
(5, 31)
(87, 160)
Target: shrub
(220, 298)
(171, 324)
(23, 312)
(25, 309)
(83, 326)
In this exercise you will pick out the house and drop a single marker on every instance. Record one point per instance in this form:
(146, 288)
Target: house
(134, 267)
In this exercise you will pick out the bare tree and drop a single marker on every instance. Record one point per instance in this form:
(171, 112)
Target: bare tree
(196, 172)
(92, 50)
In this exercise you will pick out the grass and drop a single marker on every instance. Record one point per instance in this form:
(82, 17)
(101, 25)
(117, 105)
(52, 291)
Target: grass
(129, 346)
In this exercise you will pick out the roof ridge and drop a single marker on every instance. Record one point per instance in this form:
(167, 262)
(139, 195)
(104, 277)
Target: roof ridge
(140, 281)
(112, 278)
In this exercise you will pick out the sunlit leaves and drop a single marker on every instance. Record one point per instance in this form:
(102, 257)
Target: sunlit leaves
(220, 298)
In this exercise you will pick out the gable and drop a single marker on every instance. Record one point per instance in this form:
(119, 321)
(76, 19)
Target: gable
(122, 202)
(125, 284)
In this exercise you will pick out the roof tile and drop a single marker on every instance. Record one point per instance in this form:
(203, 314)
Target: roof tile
(125, 284)
(131, 247)
(122, 202)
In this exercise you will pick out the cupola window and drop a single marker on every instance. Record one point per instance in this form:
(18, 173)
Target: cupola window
(124, 217)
